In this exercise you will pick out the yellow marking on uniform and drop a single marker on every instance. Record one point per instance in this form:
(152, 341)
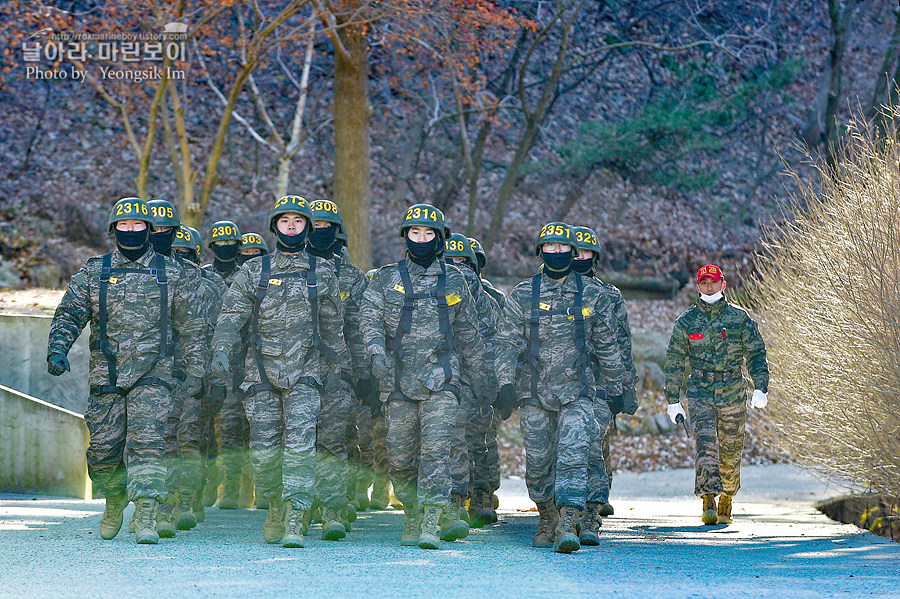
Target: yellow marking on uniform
(344, 295)
(276, 282)
(453, 299)
(584, 312)
(399, 288)
(544, 306)
(113, 280)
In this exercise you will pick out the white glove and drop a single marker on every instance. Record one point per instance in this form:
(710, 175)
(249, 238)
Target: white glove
(674, 410)
(759, 399)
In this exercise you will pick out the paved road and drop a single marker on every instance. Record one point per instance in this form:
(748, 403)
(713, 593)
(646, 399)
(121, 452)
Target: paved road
(779, 546)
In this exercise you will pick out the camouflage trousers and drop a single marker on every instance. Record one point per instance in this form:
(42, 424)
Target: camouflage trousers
(481, 436)
(460, 456)
(127, 441)
(283, 442)
(598, 474)
(234, 432)
(556, 451)
(209, 440)
(419, 446)
(369, 454)
(719, 434)
(331, 446)
(182, 434)
(610, 431)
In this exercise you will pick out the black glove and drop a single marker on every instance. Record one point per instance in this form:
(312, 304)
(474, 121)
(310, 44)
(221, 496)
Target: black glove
(615, 404)
(629, 401)
(220, 365)
(192, 385)
(507, 400)
(57, 364)
(364, 388)
(216, 397)
(381, 365)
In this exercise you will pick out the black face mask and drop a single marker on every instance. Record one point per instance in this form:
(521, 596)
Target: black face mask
(320, 241)
(132, 244)
(291, 244)
(162, 242)
(422, 254)
(556, 266)
(226, 253)
(242, 258)
(583, 267)
(336, 247)
(186, 255)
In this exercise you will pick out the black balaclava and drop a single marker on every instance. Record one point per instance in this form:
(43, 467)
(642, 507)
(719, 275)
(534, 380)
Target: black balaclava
(227, 252)
(242, 258)
(481, 260)
(291, 243)
(132, 244)
(186, 254)
(557, 266)
(422, 254)
(337, 247)
(320, 241)
(162, 242)
(584, 267)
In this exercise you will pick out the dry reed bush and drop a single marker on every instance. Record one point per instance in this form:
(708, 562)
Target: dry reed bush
(828, 296)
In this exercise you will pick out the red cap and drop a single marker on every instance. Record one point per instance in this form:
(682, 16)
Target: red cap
(710, 270)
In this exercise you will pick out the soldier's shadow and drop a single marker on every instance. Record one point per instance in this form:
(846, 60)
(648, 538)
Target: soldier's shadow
(690, 529)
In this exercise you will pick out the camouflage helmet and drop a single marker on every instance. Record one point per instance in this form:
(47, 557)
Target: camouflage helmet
(129, 209)
(479, 252)
(187, 239)
(223, 230)
(341, 236)
(196, 235)
(458, 247)
(163, 214)
(328, 211)
(555, 232)
(425, 215)
(253, 240)
(586, 239)
(287, 204)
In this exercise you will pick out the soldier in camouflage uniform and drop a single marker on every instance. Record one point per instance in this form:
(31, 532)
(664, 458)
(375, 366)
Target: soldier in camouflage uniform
(252, 244)
(605, 410)
(717, 339)
(136, 301)
(338, 402)
(557, 322)
(483, 426)
(225, 242)
(187, 246)
(291, 302)
(413, 316)
(478, 390)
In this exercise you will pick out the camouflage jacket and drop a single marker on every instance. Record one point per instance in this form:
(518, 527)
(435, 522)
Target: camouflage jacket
(617, 316)
(494, 292)
(286, 334)
(715, 339)
(379, 316)
(133, 317)
(485, 310)
(560, 379)
(227, 277)
(353, 284)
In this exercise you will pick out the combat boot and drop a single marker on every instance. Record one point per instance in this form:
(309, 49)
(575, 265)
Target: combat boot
(197, 507)
(452, 526)
(184, 514)
(724, 511)
(459, 502)
(431, 527)
(590, 525)
(412, 528)
(344, 515)
(606, 510)
(111, 522)
(213, 480)
(487, 513)
(495, 501)
(230, 492)
(381, 495)
(350, 512)
(709, 510)
(165, 520)
(332, 527)
(546, 525)
(145, 521)
(293, 528)
(565, 539)
(273, 528)
(362, 498)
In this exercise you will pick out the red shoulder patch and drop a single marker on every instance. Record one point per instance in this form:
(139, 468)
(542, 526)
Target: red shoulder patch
(696, 336)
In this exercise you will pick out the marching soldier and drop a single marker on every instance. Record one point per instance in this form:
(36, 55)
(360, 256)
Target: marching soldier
(135, 300)
(292, 307)
(413, 316)
(717, 339)
(556, 322)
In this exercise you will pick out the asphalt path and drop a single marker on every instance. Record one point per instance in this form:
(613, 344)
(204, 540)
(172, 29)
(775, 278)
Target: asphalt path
(654, 546)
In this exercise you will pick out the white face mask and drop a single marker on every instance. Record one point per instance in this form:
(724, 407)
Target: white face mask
(711, 299)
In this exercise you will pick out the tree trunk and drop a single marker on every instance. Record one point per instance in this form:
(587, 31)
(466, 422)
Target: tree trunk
(351, 142)
(882, 95)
